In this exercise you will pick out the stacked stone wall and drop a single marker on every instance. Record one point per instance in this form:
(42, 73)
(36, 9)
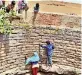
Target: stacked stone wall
(21, 42)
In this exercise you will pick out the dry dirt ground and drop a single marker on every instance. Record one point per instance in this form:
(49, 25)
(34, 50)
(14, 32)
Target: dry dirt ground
(54, 7)
(57, 7)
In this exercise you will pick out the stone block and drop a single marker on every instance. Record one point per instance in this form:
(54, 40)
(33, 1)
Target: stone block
(11, 61)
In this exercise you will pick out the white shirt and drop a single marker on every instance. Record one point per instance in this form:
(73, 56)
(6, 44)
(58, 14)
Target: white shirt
(35, 65)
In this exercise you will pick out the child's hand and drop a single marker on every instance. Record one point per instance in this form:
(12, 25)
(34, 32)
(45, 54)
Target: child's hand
(40, 45)
(25, 57)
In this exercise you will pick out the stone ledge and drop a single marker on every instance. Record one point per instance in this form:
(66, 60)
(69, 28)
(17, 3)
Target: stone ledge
(16, 71)
(60, 70)
(54, 70)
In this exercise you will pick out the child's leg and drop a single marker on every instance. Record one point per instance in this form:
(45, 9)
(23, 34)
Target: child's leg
(25, 14)
(50, 60)
(34, 17)
(19, 11)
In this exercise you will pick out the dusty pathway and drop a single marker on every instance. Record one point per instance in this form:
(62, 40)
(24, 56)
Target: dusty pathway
(57, 7)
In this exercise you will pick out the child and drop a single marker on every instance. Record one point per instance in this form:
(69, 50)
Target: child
(36, 10)
(49, 48)
(2, 3)
(23, 5)
(10, 6)
(34, 62)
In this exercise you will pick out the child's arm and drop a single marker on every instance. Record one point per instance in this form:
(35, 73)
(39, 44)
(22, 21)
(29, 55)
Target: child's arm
(43, 46)
(27, 61)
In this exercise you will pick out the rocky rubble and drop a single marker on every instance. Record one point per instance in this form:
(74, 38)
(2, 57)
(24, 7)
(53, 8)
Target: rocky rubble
(16, 71)
(59, 70)
(43, 70)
